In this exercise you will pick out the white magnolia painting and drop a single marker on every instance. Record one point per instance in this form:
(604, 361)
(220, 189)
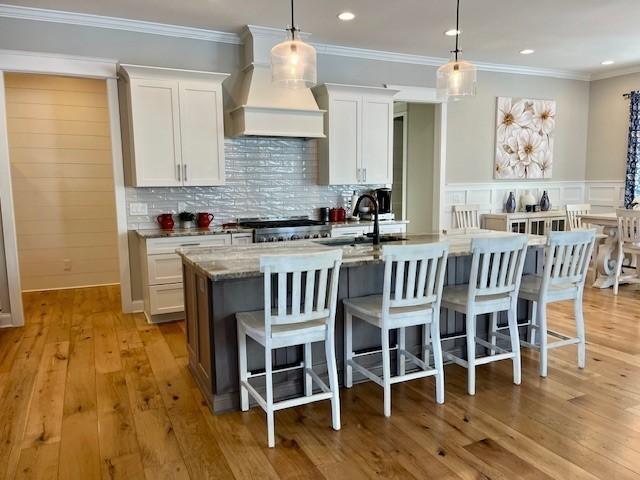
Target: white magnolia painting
(524, 138)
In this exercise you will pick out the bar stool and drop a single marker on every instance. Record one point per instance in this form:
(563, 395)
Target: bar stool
(411, 293)
(308, 318)
(567, 256)
(494, 281)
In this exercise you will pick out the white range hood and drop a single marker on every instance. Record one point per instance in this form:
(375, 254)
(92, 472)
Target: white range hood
(264, 108)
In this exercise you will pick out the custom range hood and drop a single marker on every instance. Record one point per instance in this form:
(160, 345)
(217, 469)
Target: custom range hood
(264, 108)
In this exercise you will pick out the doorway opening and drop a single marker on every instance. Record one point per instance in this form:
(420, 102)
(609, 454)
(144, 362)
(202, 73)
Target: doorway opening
(60, 153)
(415, 179)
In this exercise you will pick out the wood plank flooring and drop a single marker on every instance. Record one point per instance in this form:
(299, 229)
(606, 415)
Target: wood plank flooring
(87, 392)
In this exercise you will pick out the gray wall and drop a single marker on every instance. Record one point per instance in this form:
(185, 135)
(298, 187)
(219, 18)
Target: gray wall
(420, 143)
(609, 127)
(471, 124)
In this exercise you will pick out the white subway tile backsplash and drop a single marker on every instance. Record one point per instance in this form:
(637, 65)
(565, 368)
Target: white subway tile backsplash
(264, 177)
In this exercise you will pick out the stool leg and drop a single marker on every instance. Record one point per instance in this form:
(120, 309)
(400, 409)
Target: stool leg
(348, 349)
(332, 371)
(542, 333)
(308, 364)
(242, 366)
(401, 346)
(437, 358)
(426, 341)
(515, 343)
(386, 372)
(577, 309)
(471, 353)
(534, 325)
(268, 377)
(493, 328)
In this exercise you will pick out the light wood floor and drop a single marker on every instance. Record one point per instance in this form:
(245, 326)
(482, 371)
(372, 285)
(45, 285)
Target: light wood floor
(87, 392)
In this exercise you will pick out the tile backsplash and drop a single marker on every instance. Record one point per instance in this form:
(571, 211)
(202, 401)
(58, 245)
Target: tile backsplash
(264, 177)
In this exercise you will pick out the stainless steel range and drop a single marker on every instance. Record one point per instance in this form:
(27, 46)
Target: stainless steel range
(289, 228)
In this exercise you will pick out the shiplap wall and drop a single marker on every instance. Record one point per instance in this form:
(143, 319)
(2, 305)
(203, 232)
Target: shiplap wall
(62, 178)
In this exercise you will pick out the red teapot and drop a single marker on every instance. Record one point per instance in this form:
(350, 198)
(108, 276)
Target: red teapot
(204, 219)
(166, 221)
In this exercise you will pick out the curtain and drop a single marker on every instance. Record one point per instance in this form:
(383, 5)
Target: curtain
(632, 180)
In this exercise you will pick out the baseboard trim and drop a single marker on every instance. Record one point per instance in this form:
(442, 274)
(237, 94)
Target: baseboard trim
(70, 288)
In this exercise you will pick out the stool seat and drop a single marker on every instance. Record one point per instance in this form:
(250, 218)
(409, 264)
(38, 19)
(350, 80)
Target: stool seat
(254, 324)
(370, 309)
(531, 285)
(457, 297)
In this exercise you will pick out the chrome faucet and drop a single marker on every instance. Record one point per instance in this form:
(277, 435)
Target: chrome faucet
(376, 222)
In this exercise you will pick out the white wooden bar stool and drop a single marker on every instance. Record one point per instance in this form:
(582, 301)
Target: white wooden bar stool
(306, 319)
(566, 263)
(467, 216)
(628, 244)
(412, 289)
(494, 281)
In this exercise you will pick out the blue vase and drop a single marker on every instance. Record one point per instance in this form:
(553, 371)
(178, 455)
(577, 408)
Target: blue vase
(545, 203)
(510, 206)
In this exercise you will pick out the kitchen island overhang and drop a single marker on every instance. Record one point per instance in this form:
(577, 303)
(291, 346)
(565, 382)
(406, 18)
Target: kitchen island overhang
(221, 281)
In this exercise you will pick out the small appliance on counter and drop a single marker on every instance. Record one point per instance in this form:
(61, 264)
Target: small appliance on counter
(325, 214)
(383, 196)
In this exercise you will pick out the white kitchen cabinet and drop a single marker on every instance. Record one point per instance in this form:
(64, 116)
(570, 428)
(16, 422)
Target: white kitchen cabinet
(242, 238)
(162, 272)
(386, 228)
(172, 122)
(358, 148)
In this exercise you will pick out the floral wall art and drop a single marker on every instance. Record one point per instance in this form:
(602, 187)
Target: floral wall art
(524, 138)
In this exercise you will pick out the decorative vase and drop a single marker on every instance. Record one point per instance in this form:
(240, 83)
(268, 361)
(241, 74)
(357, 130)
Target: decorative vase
(527, 198)
(186, 224)
(510, 206)
(545, 204)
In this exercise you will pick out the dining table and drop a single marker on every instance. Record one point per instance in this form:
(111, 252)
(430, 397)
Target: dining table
(607, 252)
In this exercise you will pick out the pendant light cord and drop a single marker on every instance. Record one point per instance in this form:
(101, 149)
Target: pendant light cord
(457, 50)
(293, 25)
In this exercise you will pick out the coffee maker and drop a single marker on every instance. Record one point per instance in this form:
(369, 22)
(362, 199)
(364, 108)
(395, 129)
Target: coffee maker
(385, 208)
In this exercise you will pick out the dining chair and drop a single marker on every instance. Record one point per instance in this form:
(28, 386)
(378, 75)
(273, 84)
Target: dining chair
(628, 244)
(566, 263)
(311, 283)
(411, 295)
(574, 213)
(467, 216)
(494, 282)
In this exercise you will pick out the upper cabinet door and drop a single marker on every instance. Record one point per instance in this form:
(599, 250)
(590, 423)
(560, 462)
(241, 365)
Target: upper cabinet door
(344, 144)
(156, 132)
(202, 133)
(377, 140)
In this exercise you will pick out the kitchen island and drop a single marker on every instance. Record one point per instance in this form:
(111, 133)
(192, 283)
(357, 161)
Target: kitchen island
(221, 281)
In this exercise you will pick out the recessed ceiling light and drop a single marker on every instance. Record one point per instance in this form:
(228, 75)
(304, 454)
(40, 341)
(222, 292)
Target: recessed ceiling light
(608, 62)
(527, 51)
(452, 32)
(346, 16)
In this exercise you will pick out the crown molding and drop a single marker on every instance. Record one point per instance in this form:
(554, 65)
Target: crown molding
(114, 23)
(140, 26)
(616, 73)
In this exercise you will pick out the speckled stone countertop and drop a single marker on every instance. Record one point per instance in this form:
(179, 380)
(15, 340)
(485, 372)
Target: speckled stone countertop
(189, 232)
(243, 261)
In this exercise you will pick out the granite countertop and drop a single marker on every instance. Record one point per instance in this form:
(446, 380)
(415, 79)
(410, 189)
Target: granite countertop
(366, 223)
(189, 232)
(243, 261)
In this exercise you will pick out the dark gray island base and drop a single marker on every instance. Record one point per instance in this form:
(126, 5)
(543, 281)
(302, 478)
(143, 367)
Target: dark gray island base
(220, 281)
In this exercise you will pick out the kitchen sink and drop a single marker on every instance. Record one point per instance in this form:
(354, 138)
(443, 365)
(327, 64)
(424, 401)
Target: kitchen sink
(354, 241)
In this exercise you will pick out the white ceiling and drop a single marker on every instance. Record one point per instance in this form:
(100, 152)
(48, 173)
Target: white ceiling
(566, 34)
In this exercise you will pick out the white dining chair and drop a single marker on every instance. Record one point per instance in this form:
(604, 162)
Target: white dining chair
(566, 263)
(574, 215)
(494, 282)
(411, 294)
(311, 283)
(467, 216)
(628, 244)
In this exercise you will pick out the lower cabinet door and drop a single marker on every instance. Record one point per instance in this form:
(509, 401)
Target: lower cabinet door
(166, 298)
(166, 268)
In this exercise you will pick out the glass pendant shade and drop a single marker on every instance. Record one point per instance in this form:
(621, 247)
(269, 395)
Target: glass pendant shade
(293, 64)
(457, 79)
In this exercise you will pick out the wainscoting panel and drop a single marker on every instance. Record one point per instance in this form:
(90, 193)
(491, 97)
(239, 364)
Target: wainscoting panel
(604, 195)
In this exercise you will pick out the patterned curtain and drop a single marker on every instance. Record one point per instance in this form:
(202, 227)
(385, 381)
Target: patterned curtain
(632, 180)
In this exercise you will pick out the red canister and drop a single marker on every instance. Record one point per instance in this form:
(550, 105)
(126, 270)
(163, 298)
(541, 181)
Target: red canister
(166, 221)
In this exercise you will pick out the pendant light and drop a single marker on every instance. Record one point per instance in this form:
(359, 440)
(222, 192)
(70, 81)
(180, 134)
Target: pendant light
(293, 62)
(457, 78)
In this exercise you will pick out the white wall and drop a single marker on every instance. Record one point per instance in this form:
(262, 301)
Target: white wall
(62, 179)
(5, 306)
(609, 127)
